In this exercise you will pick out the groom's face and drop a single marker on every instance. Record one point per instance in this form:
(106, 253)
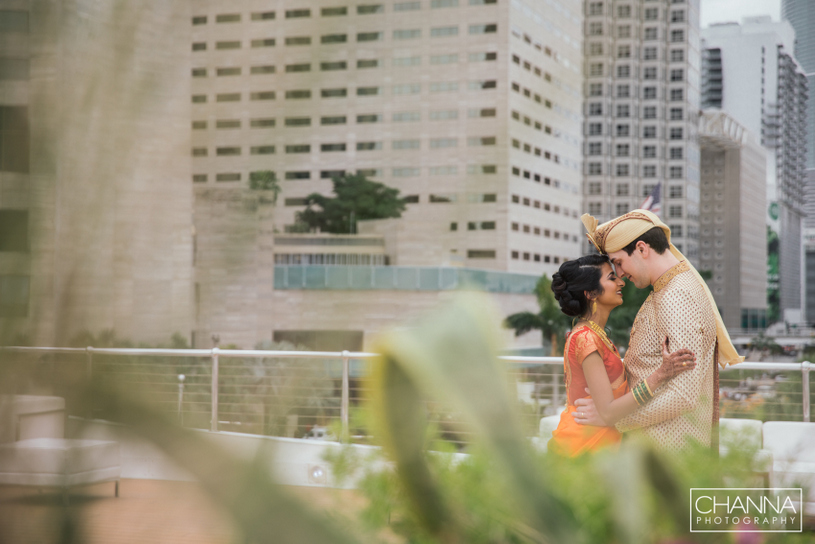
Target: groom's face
(631, 267)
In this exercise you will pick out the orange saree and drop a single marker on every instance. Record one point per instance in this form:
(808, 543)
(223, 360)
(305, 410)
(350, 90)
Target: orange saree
(571, 439)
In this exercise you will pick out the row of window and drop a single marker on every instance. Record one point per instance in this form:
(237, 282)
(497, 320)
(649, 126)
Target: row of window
(531, 122)
(397, 90)
(343, 259)
(333, 66)
(330, 120)
(627, 31)
(537, 178)
(538, 231)
(597, 49)
(545, 206)
(335, 11)
(516, 87)
(409, 144)
(624, 150)
(624, 131)
(333, 39)
(627, 11)
(624, 189)
(537, 151)
(435, 198)
(536, 257)
(624, 170)
(674, 211)
(649, 73)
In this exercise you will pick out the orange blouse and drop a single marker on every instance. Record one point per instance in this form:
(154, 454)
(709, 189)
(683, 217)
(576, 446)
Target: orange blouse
(571, 438)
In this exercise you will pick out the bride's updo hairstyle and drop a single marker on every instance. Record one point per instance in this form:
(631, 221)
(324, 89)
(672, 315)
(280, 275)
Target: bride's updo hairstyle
(573, 279)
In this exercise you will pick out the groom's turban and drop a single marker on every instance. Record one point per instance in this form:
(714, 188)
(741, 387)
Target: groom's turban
(621, 231)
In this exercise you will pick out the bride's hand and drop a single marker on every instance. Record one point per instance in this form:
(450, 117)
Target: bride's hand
(674, 363)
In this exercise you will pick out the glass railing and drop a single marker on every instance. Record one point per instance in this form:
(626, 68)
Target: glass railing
(401, 278)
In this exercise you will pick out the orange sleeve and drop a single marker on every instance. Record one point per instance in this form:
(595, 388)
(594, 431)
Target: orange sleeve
(585, 344)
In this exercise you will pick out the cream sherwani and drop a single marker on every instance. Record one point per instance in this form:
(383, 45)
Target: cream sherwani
(682, 408)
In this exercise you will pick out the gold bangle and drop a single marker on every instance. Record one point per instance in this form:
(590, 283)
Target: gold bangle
(650, 393)
(646, 392)
(636, 394)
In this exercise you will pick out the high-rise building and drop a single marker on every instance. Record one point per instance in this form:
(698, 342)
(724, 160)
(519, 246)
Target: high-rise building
(641, 108)
(95, 199)
(751, 75)
(471, 108)
(734, 193)
(801, 15)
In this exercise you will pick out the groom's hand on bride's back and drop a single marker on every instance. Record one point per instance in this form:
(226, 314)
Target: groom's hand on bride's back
(586, 413)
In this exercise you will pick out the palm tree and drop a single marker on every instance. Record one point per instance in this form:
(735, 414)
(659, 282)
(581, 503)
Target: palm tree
(552, 323)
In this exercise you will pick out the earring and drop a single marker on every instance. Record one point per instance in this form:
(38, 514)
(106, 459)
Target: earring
(593, 306)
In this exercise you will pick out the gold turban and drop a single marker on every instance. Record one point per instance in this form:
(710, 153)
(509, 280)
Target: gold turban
(621, 231)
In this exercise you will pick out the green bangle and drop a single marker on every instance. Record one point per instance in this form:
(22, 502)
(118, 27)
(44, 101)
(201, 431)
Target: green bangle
(635, 392)
(645, 392)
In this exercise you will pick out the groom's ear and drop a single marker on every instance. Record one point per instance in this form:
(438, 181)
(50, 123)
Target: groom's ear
(643, 249)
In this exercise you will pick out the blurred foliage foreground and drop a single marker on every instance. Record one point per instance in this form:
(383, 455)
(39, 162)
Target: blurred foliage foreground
(504, 491)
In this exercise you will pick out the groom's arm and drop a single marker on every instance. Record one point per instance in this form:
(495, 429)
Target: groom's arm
(689, 321)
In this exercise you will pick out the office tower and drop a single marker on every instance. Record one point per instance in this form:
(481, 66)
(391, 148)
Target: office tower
(734, 194)
(471, 108)
(801, 15)
(642, 103)
(95, 200)
(763, 88)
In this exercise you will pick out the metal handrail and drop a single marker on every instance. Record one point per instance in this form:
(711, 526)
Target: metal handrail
(216, 353)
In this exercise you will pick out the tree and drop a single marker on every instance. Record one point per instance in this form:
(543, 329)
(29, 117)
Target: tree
(265, 180)
(550, 320)
(357, 198)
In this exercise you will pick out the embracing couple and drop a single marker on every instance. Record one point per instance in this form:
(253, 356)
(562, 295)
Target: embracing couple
(667, 389)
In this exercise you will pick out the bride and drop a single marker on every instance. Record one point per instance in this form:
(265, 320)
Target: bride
(587, 288)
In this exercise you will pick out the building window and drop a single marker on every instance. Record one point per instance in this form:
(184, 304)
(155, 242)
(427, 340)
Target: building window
(333, 120)
(199, 46)
(331, 66)
(649, 73)
(199, 72)
(199, 178)
(622, 170)
(368, 63)
(14, 139)
(623, 150)
(623, 110)
(678, 16)
(622, 189)
(622, 209)
(623, 12)
(438, 87)
(481, 140)
(369, 118)
(649, 93)
(438, 143)
(623, 91)
(675, 172)
(13, 231)
(596, 69)
(676, 153)
(675, 211)
(596, 108)
(294, 149)
(595, 49)
(677, 95)
(595, 8)
(677, 36)
(649, 112)
(443, 115)
(407, 6)
(483, 29)
(227, 151)
(405, 172)
(444, 59)
(443, 31)
(676, 133)
(623, 130)
(649, 132)
(14, 295)
(334, 38)
(407, 34)
(677, 114)
(199, 20)
(369, 146)
(262, 123)
(270, 95)
(677, 74)
(370, 9)
(334, 12)
(257, 70)
(595, 89)
(675, 191)
(481, 254)
(406, 144)
(328, 148)
(230, 176)
(624, 31)
(227, 123)
(595, 188)
(595, 169)
(677, 55)
(408, 88)
(334, 93)
(649, 152)
(302, 174)
(649, 53)
(649, 171)
(623, 71)
(302, 67)
(297, 13)
(369, 36)
(595, 208)
(650, 34)
(199, 151)
(651, 14)
(595, 129)
(595, 148)
(236, 44)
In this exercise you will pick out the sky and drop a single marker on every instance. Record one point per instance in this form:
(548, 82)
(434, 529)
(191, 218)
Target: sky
(720, 11)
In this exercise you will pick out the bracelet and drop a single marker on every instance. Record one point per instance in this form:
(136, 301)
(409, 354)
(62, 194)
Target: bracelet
(642, 393)
(636, 393)
(650, 393)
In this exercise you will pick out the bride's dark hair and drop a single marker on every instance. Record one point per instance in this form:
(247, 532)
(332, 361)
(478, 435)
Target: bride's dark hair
(573, 279)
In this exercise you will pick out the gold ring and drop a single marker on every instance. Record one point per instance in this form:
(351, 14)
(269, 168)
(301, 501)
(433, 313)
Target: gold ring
(580, 414)
(685, 363)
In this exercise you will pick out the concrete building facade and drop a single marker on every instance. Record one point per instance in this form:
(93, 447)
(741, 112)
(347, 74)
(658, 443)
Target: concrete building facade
(733, 181)
(756, 80)
(641, 106)
(801, 15)
(95, 199)
(471, 109)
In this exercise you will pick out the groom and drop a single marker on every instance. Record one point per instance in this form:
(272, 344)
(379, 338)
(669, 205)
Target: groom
(680, 308)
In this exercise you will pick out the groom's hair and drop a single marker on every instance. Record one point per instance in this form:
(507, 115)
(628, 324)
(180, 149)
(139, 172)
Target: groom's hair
(655, 238)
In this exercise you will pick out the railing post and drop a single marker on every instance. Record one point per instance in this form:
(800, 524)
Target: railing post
(89, 370)
(805, 366)
(181, 379)
(213, 426)
(345, 400)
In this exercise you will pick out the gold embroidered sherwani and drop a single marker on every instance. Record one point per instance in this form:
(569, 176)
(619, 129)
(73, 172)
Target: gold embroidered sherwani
(682, 408)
